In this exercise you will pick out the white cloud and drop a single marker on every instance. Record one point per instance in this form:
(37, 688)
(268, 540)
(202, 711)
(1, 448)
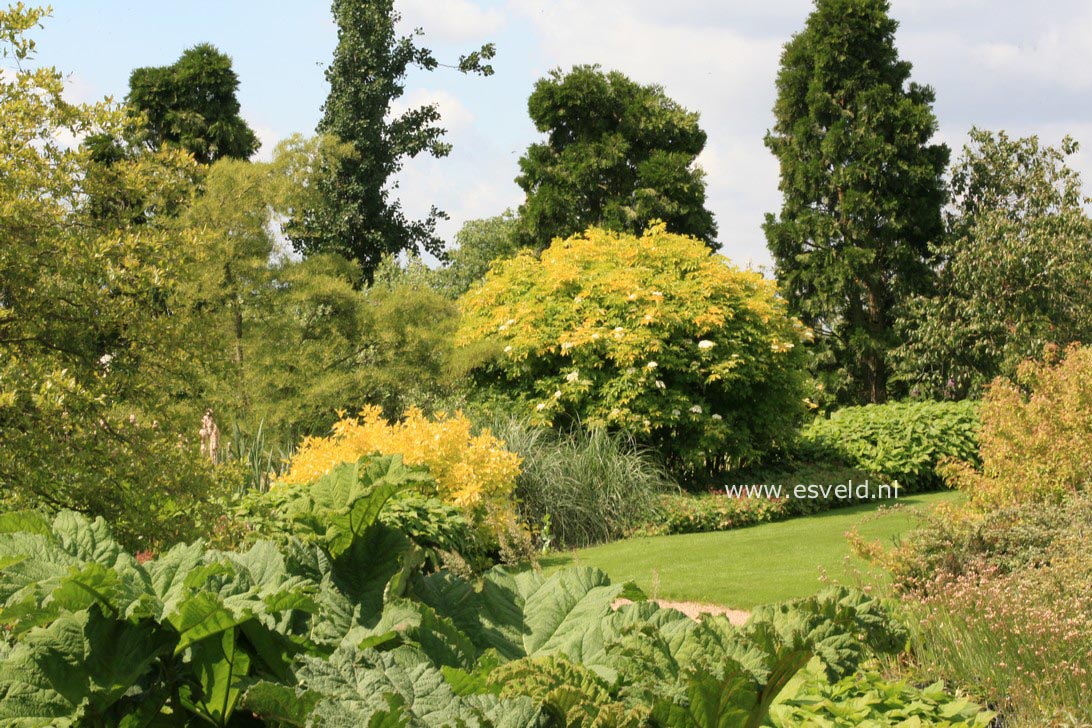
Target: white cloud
(269, 138)
(1059, 55)
(451, 20)
(78, 90)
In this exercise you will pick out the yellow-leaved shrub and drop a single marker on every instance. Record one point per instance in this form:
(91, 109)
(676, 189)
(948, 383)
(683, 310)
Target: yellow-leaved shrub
(474, 472)
(650, 334)
(1036, 437)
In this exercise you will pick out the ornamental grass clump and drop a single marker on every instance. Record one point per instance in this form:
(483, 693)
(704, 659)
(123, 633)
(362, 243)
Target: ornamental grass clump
(583, 486)
(473, 471)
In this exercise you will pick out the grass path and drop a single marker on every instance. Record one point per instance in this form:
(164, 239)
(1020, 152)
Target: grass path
(755, 565)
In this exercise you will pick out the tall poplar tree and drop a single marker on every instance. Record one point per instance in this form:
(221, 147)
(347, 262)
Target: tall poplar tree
(862, 189)
(357, 215)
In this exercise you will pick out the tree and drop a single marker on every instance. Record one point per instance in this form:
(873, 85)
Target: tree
(192, 104)
(1013, 272)
(654, 335)
(287, 343)
(480, 243)
(618, 156)
(862, 189)
(94, 365)
(356, 214)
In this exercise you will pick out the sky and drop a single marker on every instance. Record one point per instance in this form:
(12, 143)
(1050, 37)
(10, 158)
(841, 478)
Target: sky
(996, 64)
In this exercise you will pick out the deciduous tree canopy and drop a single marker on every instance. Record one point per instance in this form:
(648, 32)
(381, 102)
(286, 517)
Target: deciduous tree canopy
(192, 104)
(618, 155)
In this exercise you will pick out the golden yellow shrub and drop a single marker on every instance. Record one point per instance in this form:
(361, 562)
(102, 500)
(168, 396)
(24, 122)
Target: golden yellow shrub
(471, 471)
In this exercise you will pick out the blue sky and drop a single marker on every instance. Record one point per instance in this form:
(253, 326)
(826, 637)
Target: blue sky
(999, 64)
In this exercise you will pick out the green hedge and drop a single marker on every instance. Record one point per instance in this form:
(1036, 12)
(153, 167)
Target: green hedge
(900, 441)
(719, 511)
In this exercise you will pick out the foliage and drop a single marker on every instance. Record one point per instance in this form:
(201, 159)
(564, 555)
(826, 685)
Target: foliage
(719, 511)
(191, 104)
(472, 471)
(904, 442)
(287, 342)
(410, 358)
(105, 638)
(353, 213)
(582, 486)
(1035, 443)
(652, 335)
(619, 156)
(869, 700)
(1014, 269)
(447, 539)
(861, 186)
(954, 543)
(1016, 634)
(92, 361)
(347, 632)
(480, 243)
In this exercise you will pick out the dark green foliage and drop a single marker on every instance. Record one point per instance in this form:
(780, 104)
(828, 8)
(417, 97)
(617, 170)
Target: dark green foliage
(862, 190)
(192, 104)
(901, 441)
(1013, 273)
(618, 156)
(354, 213)
(438, 529)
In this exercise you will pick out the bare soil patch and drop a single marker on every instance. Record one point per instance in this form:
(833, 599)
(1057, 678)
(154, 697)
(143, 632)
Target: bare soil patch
(695, 610)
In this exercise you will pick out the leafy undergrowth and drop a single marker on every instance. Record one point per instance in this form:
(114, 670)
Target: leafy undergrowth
(336, 626)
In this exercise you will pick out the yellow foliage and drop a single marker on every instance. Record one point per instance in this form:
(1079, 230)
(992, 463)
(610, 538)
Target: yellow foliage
(475, 472)
(1036, 438)
(653, 334)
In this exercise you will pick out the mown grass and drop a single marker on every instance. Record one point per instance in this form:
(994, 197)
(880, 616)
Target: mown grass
(756, 565)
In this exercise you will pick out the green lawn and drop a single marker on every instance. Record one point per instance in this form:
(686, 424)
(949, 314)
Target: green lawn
(755, 565)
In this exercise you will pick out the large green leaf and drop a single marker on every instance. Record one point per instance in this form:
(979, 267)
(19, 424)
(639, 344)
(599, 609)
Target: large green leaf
(359, 686)
(280, 704)
(81, 665)
(221, 667)
(363, 571)
(202, 616)
(711, 702)
(73, 566)
(528, 614)
(340, 506)
(418, 625)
